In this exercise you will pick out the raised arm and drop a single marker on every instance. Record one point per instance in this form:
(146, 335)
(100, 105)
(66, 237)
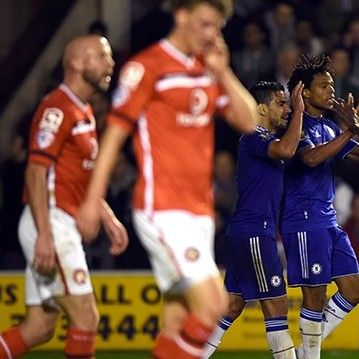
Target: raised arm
(318, 154)
(242, 112)
(285, 147)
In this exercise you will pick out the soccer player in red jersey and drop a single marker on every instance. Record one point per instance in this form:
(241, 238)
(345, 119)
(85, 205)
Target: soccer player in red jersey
(166, 98)
(63, 147)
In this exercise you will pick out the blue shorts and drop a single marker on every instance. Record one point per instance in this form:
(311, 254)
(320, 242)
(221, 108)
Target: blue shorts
(254, 270)
(318, 256)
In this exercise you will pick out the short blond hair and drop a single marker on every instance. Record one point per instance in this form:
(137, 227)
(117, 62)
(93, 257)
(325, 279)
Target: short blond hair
(225, 7)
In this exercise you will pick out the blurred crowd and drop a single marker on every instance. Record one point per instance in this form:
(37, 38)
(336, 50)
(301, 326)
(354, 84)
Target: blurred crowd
(265, 39)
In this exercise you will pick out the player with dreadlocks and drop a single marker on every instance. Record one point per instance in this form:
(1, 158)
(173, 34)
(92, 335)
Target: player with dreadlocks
(318, 250)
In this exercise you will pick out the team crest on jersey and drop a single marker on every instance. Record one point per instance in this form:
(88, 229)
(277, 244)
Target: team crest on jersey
(50, 123)
(198, 101)
(79, 276)
(276, 281)
(132, 75)
(51, 120)
(44, 139)
(316, 268)
(191, 254)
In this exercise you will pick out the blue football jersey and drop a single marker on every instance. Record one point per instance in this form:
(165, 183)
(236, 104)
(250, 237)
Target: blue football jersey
(309, 191)
(260, 186)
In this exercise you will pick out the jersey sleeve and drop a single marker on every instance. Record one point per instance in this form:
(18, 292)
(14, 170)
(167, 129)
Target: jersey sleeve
(347, 149)
(49, 131)
(257, 144)
(305, 139)
(134, 90)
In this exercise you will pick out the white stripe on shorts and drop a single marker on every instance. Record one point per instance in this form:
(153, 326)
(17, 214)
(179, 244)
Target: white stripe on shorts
(303, 253)
(258, 264)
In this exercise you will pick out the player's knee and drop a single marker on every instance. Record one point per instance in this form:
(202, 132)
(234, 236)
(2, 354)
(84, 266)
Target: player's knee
(314, 301)
(235, 307)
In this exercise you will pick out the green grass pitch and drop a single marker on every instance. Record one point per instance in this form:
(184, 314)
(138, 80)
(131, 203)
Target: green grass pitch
(221, 355)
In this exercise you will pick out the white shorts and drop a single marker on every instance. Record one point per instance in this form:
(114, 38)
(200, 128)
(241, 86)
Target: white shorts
(180, 246)
(72, 275)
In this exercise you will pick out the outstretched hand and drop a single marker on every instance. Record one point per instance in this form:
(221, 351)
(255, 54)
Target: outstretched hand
(347, 113)
(297, 98)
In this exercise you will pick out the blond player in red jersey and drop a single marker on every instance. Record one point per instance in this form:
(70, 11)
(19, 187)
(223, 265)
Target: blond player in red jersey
(63, 147)
(166, 98)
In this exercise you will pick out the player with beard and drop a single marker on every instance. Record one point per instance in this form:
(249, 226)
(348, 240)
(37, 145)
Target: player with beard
(63, 147)
(254, 271)
(318, 251)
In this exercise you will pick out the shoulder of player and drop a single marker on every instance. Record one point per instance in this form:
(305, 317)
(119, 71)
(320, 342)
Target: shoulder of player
(256, 137)
(59, 105)
(149, 57)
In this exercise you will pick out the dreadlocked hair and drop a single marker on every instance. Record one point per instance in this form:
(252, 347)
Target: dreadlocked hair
(308, 66)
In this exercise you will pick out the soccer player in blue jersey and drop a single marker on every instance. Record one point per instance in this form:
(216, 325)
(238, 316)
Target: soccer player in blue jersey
(317, 249)
(254, 271)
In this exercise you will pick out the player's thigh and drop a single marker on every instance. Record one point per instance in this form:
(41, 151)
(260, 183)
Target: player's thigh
(344, 260)
(27, 234)
(309, 257)
(81, 310)
(73, 275)
(180, 247)
(254, 270)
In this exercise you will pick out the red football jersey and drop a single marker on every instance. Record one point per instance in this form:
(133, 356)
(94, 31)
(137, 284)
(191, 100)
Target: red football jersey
(169, 98)
(63, 138)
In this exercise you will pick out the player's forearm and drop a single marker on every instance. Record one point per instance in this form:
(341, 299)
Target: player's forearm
(106, 212)
(243, 105)
(113, 138)
(316, 155)
(36, 183)
(286, 147)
